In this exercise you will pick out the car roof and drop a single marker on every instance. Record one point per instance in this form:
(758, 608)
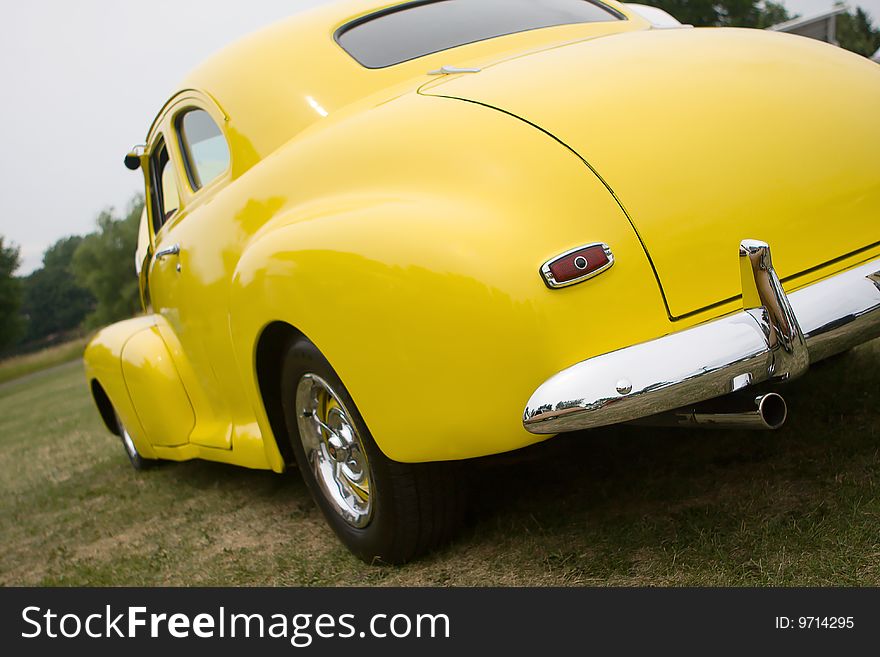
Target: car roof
(280, 80)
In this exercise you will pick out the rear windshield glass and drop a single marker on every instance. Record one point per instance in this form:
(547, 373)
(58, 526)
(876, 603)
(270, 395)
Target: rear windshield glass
(415, 29)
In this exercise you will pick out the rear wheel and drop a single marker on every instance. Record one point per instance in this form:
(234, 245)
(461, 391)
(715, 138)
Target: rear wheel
(383, 510)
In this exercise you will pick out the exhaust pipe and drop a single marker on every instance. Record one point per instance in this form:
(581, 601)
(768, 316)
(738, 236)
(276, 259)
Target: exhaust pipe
(765, 412)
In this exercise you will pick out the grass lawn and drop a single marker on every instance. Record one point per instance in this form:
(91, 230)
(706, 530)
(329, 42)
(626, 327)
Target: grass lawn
(621, 506)
(18, 366)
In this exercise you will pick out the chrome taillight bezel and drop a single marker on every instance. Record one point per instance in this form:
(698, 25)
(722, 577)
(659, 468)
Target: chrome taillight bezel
(550, 280)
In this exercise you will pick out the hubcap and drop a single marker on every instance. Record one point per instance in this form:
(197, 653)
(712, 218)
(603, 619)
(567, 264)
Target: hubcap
(334, 450)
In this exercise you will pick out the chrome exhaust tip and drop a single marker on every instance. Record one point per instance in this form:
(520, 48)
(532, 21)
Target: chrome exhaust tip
(766, 412)
(772, 410)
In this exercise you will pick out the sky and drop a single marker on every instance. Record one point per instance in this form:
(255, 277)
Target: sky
(81, 83)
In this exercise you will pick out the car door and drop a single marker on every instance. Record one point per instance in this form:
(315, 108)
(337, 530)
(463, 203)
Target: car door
(185, 294)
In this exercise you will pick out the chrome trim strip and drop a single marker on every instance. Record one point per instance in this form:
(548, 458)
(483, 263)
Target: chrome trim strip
(774, 340)
(551, 282)
(452, 70)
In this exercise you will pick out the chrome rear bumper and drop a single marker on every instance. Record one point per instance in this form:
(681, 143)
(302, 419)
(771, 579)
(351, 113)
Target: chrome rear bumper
(775, 337)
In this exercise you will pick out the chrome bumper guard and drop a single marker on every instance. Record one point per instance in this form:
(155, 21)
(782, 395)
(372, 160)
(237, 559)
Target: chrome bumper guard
(774, 338)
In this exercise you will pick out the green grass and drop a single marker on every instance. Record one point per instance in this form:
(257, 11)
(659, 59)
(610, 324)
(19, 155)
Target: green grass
(622, 506)
(18, 366)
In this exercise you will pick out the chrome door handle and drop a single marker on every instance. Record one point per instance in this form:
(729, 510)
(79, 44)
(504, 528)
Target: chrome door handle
(170, 251)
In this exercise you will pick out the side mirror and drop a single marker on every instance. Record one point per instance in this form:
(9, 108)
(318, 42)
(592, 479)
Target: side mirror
(132, 161)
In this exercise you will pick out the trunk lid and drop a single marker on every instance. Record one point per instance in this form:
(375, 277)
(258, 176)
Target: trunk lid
(708, 137)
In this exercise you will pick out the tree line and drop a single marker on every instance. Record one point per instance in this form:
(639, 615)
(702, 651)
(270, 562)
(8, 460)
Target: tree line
(84, 282)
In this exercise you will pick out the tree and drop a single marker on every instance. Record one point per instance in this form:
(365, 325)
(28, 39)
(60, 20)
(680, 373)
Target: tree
(10, 295)
(855, 32)
(773, 13)
(53, 300)
(103, 263)
(725, 13)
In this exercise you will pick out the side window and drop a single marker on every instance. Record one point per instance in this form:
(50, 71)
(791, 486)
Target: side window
(143, 243)
(141, 258)
(164, 192)
(203, 146)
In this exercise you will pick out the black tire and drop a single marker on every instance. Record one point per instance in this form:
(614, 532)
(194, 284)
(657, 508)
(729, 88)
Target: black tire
(137, 461)
(415, 506)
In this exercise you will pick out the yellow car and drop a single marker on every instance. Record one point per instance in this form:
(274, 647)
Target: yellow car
(384, 237)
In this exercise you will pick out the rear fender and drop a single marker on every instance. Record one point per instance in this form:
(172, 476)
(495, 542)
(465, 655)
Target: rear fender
(415, 269)
(437, 349)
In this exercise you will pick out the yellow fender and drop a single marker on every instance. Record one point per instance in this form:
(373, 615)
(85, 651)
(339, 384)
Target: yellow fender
(131, 373)
(403, 281)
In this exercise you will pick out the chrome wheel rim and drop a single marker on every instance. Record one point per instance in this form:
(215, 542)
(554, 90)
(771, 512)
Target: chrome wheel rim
(127, 442)
(334, 450)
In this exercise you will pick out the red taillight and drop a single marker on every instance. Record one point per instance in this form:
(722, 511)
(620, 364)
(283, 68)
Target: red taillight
(577, 265)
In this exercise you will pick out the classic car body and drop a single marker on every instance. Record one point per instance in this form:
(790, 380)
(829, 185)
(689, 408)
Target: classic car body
(404, 218)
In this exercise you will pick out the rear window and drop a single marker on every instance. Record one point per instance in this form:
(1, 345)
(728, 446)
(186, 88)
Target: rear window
(416, 29)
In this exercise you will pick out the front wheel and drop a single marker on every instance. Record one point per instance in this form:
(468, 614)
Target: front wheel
(384, 511)
(138, 462)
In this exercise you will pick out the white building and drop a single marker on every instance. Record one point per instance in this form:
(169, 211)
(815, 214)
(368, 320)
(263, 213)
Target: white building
(819, 26)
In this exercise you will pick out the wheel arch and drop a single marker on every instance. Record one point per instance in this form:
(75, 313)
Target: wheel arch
(105, 406)
(268, 361)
